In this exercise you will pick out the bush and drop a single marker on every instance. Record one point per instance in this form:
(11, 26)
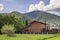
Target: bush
(8, 29)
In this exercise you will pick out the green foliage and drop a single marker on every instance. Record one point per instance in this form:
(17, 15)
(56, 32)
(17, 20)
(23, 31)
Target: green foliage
(26, 22)
(11, 19)
(8, 19)
(8, 29)
(1, 18)
(19, 25)
(59, 29)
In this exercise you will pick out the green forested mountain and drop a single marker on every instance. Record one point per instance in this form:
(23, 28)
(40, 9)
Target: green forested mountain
(36, 16)
(17, 15)
(44, 17)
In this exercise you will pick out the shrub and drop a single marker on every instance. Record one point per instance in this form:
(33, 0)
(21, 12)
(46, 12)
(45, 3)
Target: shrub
(8, 29)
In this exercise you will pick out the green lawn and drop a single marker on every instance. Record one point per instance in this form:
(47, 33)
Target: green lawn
(31, 37)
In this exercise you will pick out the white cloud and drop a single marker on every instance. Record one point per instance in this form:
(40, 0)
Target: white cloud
(41, 5)
(54, 1)
(32, 7)
(53, 4)
(38, 6)
(1, 7)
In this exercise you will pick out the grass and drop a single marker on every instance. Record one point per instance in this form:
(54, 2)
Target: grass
(31, 37)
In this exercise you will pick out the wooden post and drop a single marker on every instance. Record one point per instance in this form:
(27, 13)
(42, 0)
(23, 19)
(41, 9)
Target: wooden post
(42, 32)
(47, 32)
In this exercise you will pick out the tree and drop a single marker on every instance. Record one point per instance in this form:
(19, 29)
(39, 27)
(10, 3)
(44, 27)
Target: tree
(11, 19)
(19, 25)
(59, 29)
(4, 19)
(8, 19)
(1, 22)
(26, 22)
(8, 29)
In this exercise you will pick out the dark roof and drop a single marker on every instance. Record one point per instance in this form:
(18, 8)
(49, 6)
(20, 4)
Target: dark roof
(38, 22)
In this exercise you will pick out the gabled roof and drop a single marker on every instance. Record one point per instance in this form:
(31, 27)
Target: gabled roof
(38, 22)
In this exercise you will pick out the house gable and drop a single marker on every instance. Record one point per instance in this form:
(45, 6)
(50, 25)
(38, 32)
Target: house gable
(35, 26)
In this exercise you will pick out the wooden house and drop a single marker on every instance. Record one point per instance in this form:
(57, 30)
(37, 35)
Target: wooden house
(35, 27)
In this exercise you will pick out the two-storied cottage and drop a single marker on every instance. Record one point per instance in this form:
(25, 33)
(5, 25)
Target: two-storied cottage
(35, 27)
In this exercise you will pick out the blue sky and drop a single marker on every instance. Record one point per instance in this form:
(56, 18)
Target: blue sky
(19, 5)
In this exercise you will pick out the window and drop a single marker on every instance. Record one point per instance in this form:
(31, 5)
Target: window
(26, 30)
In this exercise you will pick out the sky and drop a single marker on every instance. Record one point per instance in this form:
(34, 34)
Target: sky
(18, 5)
(23, 6)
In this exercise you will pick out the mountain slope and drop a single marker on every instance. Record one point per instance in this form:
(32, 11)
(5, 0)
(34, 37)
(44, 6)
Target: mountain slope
(36, 16)
(17, 15)
(44, 17)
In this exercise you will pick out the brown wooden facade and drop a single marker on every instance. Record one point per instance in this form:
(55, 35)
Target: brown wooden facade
(35, 27)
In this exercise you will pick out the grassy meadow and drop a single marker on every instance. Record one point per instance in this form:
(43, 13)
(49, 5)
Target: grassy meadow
(31, 37)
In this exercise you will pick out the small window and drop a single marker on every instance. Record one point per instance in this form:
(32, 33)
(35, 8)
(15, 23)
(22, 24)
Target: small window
(26, 30)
